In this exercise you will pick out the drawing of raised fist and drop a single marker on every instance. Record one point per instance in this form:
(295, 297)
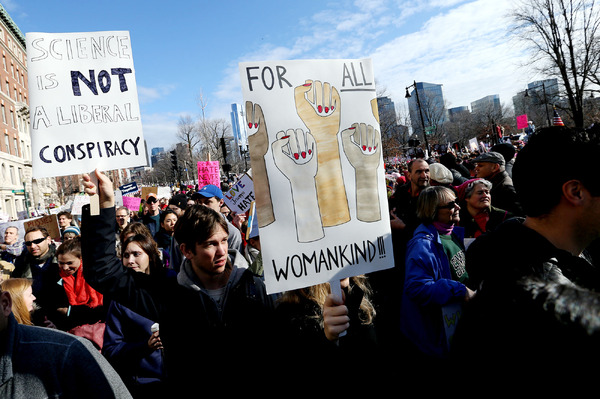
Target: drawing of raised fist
(258, 143)
(295, 156)
(318, 104)
(361, 144)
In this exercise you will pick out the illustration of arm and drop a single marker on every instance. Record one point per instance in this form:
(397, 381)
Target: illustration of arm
(258, 143)
(295, 156)
(318, 105)
(361, 144)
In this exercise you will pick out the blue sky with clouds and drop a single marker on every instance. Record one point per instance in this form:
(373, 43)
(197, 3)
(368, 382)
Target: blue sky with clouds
(184, 50)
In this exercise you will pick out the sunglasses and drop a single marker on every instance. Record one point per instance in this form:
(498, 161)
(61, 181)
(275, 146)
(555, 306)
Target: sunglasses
(151, 200)
(449, 205)
(37, 241)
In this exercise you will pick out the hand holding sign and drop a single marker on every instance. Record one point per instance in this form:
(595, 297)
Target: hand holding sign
(104, 189)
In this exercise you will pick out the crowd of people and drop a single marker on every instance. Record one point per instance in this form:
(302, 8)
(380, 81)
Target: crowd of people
(495, 272)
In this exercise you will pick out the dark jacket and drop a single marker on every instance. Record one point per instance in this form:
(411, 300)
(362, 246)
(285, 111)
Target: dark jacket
(52, 296)
(39, 362)
(200, 339)
(26, 266)
(471, 227)
(126, 348)
(504, 195)
(536, 310)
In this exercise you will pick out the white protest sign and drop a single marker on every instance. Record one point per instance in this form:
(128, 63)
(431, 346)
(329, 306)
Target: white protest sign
(163, 192)
(240, 196)
(83, 103)
(317, 170)
(78, 202)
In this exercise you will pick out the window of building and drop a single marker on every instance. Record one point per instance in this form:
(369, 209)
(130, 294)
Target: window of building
(13, 179)
(7, 143)
(16, 144)
(12, 118)
(3, 113)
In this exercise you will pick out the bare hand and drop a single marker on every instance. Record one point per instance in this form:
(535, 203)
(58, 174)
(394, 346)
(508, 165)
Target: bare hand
(154, 341)
(335, 317)
(104, 190)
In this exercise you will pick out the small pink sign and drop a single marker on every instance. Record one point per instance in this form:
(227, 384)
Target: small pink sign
(522, 121)
(209, 173)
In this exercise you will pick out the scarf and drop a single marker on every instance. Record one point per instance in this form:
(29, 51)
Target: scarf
(481, 219)
(78, 291)
(443, 228)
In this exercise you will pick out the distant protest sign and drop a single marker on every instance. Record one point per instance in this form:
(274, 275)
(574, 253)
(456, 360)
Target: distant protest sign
(83, 103)
(129, 188)
(132, 203)
(522, 122)
(50, 222)
(240, 196)
(78, 202)
(209, 173)
(317, 169)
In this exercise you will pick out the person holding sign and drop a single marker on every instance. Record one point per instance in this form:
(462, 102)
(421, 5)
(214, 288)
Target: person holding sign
(211, 315)
(313, 322)
(436, 278)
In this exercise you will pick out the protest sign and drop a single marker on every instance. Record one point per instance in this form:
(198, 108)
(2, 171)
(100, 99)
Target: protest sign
(78, 202)
(522, 121)
(83, 103)
(132, 203)
(163, 192)
(50, 222)
(240, 196)
(129, 188)
(148, 190)
(317, 170)
(209, 173)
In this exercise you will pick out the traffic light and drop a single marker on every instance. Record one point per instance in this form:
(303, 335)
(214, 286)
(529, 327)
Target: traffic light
(174, 159)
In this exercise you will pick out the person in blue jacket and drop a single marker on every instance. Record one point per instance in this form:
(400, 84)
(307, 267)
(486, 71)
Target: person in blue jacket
(436, 280)
(130, 344)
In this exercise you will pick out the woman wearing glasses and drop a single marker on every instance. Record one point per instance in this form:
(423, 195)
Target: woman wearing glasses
(435, 285)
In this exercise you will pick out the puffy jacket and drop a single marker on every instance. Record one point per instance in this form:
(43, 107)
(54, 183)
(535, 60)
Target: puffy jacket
(428, 286)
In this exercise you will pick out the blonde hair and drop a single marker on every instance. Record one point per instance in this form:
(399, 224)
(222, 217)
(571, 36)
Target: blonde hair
(318, 293)
(429, 200)
(16, 287)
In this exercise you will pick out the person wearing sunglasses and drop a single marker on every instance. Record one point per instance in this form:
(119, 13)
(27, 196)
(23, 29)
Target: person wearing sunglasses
(39, 256)
(435, 285)
(152, 217)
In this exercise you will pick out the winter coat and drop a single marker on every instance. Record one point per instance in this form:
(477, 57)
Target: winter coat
(428, 286)
(200, 338)
(39, 362)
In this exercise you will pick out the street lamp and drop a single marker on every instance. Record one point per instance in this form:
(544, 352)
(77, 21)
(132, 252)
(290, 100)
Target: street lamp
(420, 112)
(545, 100)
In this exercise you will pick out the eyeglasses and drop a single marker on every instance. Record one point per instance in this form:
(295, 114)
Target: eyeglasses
(37, 241)
(449, 205)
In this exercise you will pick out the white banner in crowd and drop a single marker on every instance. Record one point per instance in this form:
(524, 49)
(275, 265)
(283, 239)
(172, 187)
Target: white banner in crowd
(83, 103)
(317, 169)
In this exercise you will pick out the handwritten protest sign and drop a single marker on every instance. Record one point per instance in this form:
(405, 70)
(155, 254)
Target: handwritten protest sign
(78, 202)
(163, 192)
(132, 203)
(50, 222)
(522, 121)
(209, 173)
(240, 196)
(148, 190)
(83, 103)
(317, 170)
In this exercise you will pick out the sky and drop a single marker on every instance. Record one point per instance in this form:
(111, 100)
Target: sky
(187, 52)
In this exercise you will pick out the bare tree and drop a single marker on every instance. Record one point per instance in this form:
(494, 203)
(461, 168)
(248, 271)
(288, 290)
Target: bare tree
(563, 38)
(187, 132)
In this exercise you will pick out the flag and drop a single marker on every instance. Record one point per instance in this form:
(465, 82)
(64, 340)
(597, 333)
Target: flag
(557, 121)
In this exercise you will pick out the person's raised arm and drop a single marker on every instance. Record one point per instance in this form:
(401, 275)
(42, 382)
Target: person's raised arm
(104, 188)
